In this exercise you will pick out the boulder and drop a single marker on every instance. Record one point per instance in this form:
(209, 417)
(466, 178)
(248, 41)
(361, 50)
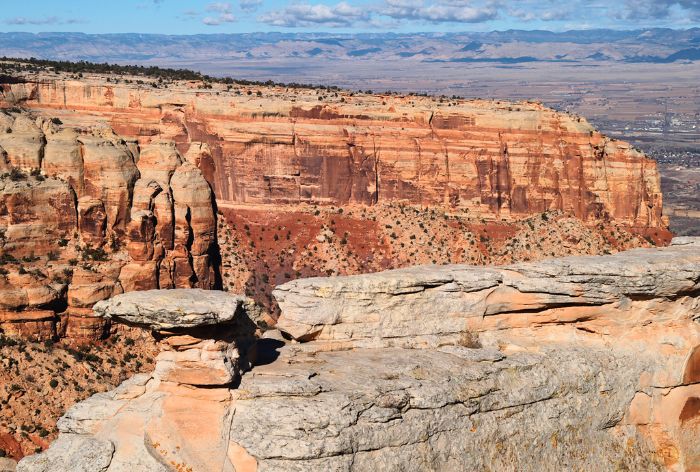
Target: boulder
(173, 309)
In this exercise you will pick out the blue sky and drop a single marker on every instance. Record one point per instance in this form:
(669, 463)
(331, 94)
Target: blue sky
(243, 16)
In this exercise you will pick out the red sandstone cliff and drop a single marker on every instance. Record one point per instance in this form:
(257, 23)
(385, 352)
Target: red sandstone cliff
(84, 216)
(492, 159)
(127, 165)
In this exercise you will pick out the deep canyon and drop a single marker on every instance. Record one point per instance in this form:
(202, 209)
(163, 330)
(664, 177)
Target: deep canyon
(114, 185)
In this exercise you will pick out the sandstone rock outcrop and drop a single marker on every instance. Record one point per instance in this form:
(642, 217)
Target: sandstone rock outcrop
(584, 363)
(178, 308)
(197, 332)
(191, 326)
(407, 304)
(86, 215)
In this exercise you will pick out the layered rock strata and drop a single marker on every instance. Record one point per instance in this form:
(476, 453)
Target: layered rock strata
(194, 352)
(312, 183)
(413, 305)
(276, 146)
(187, 393)
(86, 215)
(586, 363)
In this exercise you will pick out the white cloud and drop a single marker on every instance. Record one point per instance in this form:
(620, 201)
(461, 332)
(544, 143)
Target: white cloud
(446, 11)
(659, 9)
(372, 14)
(250, 5)
(225, 15)
(219, 20)
(48, 20)
(221, 7)
(341, 14)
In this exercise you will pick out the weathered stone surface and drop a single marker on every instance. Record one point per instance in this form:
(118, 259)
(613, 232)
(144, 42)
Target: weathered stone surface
(178, 308)
(195, 227)
(22, 140)
(7, 465)
(139, 276)
(30, 324)
(90, 285)
(205, 362)
(394, 409)
(439, 300)
(34, 214)
(110, 174)
(82, 324)
(76, 453)
(141, 233)
(158, 161)
(62, 156)
(603, 379)
(92, 221)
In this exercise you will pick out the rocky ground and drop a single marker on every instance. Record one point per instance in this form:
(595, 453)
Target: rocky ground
(39, 381)
(580, 363)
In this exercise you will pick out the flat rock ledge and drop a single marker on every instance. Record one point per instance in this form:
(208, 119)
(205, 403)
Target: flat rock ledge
(173, 309)
(420, 306)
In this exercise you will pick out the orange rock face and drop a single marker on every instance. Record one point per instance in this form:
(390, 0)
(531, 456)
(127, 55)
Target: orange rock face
(82, 219)
(313, 183)
(492, 159)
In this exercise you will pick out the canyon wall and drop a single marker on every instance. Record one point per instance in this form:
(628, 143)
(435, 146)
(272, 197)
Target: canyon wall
(310, 182)
(586, 363)
(271, 145)
(85, 215)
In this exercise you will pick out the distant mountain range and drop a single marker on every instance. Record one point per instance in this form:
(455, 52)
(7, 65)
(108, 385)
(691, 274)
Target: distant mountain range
(504, 47)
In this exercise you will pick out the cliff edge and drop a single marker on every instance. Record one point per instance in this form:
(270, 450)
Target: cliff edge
(587, 362)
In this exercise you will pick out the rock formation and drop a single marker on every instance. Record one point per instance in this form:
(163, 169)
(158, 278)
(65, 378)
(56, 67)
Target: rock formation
(309, 182)
(113, 184)
(275, 146)
(585, 363)
(199, 359)
(85, 215)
